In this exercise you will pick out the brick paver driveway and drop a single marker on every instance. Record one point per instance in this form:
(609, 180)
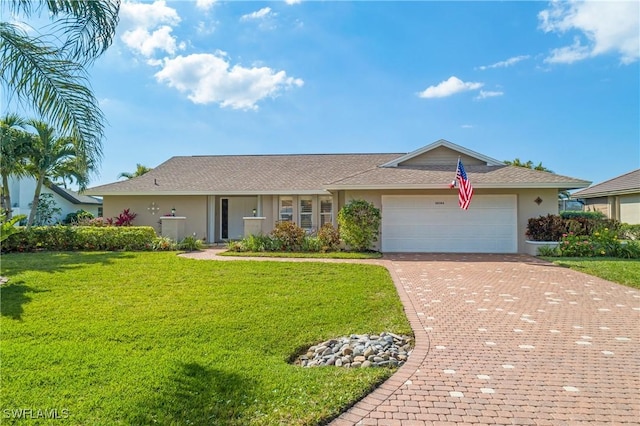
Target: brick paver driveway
(509, 339)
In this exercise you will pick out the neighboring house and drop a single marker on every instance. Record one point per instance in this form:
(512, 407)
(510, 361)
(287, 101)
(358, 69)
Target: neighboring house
(22, 190)
(617, 198)
(420, 212)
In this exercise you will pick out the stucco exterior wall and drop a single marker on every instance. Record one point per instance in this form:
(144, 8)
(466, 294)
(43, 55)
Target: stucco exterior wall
(193, 207)
(527, 206)
(630, 209)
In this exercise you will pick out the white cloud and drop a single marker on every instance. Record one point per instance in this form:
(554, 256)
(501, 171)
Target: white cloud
(205, 4)
(467, 126)
(209, 78)
(146, 43)
(507, 63)
(147, 27)
(484, 94)
(568, 54)
(609, 27)
(263, 13)
(449, 87)
(293, 1)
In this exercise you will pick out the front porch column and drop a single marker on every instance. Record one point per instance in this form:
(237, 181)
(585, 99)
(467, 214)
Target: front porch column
(253, 225)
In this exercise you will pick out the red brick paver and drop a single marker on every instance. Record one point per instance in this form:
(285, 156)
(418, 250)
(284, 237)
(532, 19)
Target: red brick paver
(508, 339)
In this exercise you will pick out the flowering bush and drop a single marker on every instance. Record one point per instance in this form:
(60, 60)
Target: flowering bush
(289, 236)
(572, 245)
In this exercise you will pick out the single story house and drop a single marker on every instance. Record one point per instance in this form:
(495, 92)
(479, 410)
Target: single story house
(617, 198)
(220, 195)
(68, 201)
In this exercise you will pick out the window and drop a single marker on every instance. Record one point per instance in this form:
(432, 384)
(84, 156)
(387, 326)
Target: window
(306, 213)
(286, 209)
(326, 210)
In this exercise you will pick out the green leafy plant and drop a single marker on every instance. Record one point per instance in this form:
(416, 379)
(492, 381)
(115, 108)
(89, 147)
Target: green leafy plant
(359, 222)
(80, 216)
(8, 227)
(163, 244)
(190, 243)
(548, 251)
(572, 245)
(288, 235)
(572, 214)
(47, 210)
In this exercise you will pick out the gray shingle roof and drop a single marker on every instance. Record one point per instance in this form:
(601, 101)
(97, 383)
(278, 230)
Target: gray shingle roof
(440, 176)
(627, 183)
(315, 173)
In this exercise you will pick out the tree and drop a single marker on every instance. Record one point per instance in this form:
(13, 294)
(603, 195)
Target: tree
(13, 144)
(527, 165)
(47, 72)
(140, 170)
(359, 222)
(48, 154)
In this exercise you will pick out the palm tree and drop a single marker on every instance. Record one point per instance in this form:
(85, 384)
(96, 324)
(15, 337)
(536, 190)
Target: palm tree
(47, 73)
(140, 170)
(12, 153)
(49, 155)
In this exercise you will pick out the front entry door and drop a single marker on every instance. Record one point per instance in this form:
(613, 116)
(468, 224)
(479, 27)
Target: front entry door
(232, 211)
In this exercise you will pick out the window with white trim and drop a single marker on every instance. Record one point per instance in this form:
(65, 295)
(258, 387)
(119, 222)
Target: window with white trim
(286, 209)
(306, 213)
(326, 210)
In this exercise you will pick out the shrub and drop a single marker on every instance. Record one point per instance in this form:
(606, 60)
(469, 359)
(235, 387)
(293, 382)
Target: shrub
(259, 243)
(236, 246)
(629, 232)
(572, 214)
(572, 245)
(288, 236)
(605, 242)
(163, 244)
(62, 238)
(545, 228)
(629, 250)
(329, 238)
(359, 224)
(80, 216)
(553, 227)
(312, 244)
(190, 243)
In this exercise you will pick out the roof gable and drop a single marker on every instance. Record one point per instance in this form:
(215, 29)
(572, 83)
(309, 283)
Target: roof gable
(442, 153)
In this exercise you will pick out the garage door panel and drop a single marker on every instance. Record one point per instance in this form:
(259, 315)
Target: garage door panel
(437, 224)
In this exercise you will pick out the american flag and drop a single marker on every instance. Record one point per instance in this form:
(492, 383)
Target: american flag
(465, 190)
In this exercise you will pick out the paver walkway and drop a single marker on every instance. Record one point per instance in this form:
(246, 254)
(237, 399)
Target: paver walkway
(509, 339)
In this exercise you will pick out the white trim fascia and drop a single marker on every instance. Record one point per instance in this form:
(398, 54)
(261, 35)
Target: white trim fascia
(221, 193)
(631, 191)
(567, 185)
(442, 142)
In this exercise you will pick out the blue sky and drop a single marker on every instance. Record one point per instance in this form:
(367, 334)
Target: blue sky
(557, 83)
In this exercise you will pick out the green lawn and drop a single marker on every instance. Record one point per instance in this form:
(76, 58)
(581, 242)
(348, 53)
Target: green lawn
(143, 338)
(623, 271)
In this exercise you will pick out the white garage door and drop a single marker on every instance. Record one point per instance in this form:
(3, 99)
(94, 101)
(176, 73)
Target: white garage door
(438, 224)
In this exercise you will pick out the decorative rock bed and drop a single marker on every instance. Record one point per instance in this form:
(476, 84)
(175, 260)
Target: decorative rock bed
(359, 351)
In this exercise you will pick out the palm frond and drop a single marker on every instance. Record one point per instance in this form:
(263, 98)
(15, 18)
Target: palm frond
(87, 27)
(56, 87)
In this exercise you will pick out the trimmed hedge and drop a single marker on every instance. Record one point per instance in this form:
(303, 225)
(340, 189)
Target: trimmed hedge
(66, 238)
(554, 227)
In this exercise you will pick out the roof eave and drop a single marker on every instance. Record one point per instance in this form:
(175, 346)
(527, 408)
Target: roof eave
(224, 193)
(606, 193)
(571, 185)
